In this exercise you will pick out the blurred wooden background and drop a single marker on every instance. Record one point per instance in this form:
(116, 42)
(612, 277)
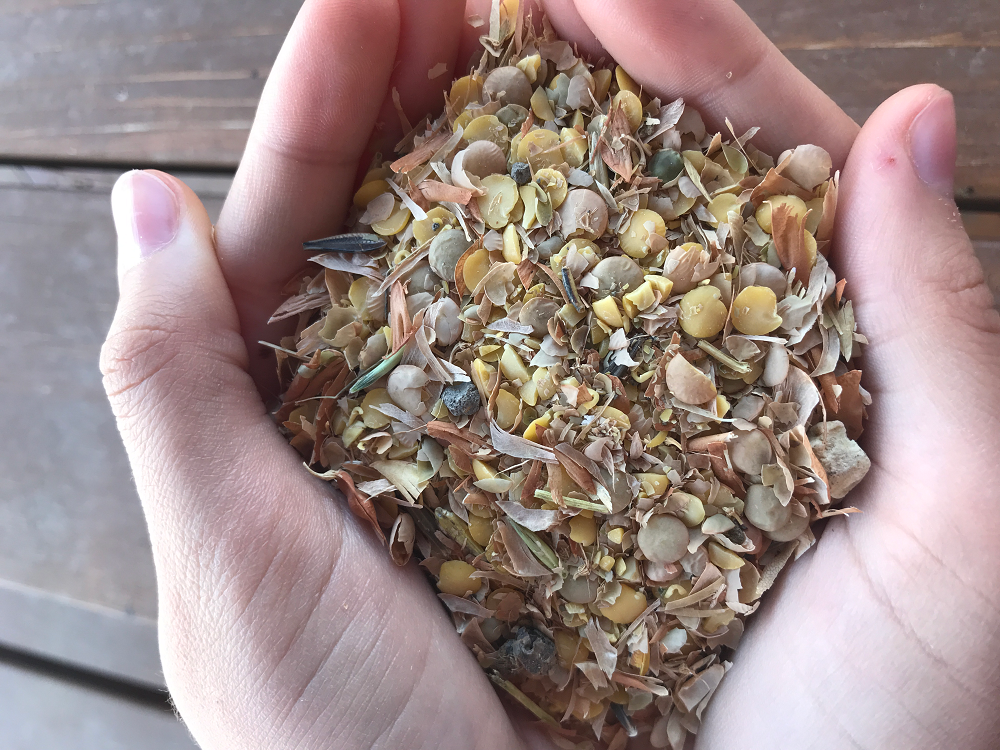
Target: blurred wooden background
(89, 88)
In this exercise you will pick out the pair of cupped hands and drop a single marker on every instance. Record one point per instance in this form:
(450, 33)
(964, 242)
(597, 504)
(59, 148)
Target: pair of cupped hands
(284, 624)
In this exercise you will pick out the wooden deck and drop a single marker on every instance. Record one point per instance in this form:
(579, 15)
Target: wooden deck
(91, 87)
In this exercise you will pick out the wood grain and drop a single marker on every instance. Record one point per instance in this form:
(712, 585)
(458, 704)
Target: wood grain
(861, 52)
(136, 82)
(42, 712)
(70, 520)
(108, 642)
(130, 81)
(984, 231)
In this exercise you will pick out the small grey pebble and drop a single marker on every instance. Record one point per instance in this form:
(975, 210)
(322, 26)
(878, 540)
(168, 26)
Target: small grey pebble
(462, 399)
(521, 173)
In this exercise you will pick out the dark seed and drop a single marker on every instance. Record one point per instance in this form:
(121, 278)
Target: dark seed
(528, 650)
(569, 284)
(619, 371)
(624, 719)
(357, 242)
(521, 173)
(736, 535)
(462, 399)
(666, 164)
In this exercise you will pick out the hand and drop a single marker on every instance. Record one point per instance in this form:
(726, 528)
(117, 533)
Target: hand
(283, 624)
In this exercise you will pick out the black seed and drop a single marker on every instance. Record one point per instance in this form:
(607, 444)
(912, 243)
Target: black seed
(521, 173)
(624, 719)
(462, 399)
(358, 242)
(736, 535)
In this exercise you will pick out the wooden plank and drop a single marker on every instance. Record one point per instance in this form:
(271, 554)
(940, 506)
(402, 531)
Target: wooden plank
(135, 82)
(859, 79)
(42, 712)
(70, 521)
(76, 572)
(118, 645)
(984, 230)
(177, 83)
(982, 225)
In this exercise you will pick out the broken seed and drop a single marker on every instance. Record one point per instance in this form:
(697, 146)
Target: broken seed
(755, 311)
(445, 250)
(702, 313)
(688, 383)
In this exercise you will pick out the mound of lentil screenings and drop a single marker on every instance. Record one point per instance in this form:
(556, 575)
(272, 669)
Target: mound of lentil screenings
(587, 360)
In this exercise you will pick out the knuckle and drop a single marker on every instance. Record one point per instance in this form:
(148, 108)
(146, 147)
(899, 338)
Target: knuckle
(134, 358)
(956, 288)
(144, 361)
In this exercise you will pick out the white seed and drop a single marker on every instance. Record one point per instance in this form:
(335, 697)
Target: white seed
(793, 528)
(750, 451)
(764, 510)
(405, 387)
(664, 539)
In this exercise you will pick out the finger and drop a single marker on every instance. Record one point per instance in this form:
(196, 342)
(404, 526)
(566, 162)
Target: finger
(711, 54)
(314, 120)
(920, 297)
(911, 269)
(280, 620)
(429, 38)
(175, 363)
(562, 14)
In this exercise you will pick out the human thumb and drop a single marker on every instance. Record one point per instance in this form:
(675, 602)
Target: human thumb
(279, 617)
(921, 300)
(918, 289)
(175, 363)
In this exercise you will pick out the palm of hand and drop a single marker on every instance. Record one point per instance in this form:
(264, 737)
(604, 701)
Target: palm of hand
(284, 625)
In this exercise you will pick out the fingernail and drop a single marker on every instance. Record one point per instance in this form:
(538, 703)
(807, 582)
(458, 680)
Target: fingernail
(147, 216)
(932, 144)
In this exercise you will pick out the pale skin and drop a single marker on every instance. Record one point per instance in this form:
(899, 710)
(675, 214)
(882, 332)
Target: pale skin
(284, 624)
